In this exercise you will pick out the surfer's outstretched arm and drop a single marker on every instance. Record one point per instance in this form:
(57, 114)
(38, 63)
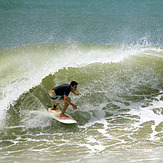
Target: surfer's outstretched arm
(76, 93)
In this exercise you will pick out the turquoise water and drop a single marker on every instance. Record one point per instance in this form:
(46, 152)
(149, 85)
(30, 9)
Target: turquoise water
(110, 22)
(113, 49)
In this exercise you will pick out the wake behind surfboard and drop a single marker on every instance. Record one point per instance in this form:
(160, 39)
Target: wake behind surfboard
(63, 119)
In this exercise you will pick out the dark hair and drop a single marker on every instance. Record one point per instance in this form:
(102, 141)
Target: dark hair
(73, 83)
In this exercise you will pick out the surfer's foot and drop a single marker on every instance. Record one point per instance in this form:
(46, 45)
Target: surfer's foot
(63, 115)
(54, 107)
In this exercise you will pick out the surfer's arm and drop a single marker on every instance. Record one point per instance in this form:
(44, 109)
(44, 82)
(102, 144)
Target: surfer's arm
(68, 100)
(75, 93)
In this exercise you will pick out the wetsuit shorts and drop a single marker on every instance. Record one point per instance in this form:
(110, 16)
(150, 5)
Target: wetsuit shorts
(56, 97)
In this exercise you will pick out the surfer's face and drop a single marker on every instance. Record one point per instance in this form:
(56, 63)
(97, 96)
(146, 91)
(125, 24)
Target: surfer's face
(73, 88)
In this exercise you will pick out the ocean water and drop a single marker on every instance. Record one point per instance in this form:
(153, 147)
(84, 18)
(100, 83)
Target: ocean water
(113, 49)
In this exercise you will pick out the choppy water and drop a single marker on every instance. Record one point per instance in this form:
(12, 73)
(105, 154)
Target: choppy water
(115, 55)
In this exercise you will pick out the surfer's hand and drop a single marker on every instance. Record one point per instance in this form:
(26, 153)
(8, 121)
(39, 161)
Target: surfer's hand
(74, 107)
(77, 94)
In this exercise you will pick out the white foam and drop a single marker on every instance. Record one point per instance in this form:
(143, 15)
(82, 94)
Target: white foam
(147, 114)
(36, 119)
(93, 145)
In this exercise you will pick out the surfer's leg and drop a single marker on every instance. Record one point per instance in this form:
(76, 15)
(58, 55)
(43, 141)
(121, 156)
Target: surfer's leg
(57, 98)
(54, 107)
(64, 109)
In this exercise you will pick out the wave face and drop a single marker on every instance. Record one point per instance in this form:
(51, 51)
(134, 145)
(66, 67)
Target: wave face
(119, 112)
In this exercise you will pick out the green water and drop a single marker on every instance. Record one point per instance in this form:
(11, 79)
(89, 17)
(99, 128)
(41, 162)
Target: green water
(119, 113)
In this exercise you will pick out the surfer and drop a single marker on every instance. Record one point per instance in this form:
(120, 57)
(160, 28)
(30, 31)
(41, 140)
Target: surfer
(61, 92)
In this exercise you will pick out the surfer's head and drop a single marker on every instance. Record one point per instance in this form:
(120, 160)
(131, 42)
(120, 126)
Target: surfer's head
(73, 85)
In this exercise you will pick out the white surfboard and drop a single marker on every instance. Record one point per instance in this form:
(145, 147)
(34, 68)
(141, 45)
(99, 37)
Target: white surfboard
(63, 119)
